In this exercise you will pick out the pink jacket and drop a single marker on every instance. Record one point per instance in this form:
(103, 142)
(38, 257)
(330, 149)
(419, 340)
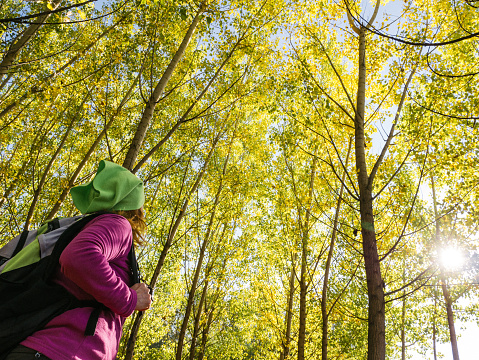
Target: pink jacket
(93, 266)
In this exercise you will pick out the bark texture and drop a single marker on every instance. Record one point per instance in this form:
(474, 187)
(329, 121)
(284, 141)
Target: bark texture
(375, 284)
(145, 121)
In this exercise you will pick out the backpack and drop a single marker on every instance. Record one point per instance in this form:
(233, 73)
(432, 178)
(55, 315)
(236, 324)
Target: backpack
(28, 297)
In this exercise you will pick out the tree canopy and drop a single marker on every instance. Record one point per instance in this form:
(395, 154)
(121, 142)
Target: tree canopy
(306, 164)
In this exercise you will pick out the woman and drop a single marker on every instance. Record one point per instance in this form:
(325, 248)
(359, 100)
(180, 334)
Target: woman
(95, 266)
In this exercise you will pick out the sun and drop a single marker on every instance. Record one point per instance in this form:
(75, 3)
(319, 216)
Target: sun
(451, 258)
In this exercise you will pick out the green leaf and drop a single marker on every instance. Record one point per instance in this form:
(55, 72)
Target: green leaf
(183, 14)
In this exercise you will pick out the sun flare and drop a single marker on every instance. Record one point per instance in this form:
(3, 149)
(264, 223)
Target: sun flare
(451, 258)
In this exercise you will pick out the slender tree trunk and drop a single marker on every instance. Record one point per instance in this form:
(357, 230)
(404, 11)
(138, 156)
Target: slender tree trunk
(375, 284)
(40, 135)
(185, 115)
(43, 179)
(196, 326)
(403, 312)
(209, 313)
(324, 294)
(20, 171)
(303, 288)
(191, 295)
(73, 178)
(284, 355)
(303, 283)
(37, 87)
(137, 141)
(450, 318)
(194, 284)
(169, 240)
(22, 41)
(434, 331)
(200, 350)
(403, 332)
(204, 337)
(443, 281)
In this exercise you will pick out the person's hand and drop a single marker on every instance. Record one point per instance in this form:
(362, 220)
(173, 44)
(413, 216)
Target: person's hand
(143, 301)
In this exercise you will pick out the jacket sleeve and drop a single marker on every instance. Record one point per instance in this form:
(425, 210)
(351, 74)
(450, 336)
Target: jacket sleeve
(86, 261)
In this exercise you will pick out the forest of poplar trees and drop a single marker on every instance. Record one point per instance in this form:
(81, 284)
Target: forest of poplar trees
(306, 163)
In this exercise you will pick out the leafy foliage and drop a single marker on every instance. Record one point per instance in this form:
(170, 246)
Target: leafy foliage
(250, 161)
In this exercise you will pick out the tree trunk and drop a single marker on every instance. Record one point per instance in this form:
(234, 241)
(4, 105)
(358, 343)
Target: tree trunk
(324, 294)
(135, 146)
(403, 332)
(303, 283)
(18, 45)
(196, 326)
(302, 301)
(43, 179)
(209, 314)
(375, 284)
(191, 294)
(442, 279)
(136, 324)
(434, 327)
(194, 284)
(403, 312)
(204, 336)
(73, 178)
(303, 288)
(284, 355)
(37, 87)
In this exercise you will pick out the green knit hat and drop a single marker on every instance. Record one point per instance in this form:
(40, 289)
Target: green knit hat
(112, 188)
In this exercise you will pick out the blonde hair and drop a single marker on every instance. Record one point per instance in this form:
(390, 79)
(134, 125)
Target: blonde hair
(136, 218)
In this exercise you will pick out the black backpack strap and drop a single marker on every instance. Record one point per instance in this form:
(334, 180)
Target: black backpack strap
(53, 225)
(92, 321)
(135, 271)
(95, 314)
(62, 243)
(21, 243)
